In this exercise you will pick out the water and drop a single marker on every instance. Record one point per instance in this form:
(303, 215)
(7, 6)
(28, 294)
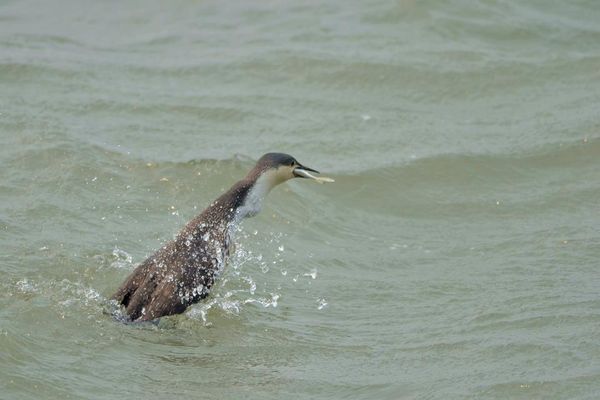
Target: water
(455, 257)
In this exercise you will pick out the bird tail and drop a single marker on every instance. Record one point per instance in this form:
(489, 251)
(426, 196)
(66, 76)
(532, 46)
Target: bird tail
(126, 294)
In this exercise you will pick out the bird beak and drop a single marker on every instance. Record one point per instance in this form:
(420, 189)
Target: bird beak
(300, 171)
(303, 172)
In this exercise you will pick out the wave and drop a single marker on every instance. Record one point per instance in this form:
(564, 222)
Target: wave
(574, 154)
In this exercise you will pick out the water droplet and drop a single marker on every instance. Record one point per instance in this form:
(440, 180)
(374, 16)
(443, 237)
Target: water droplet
(322, 303)
(312, 274)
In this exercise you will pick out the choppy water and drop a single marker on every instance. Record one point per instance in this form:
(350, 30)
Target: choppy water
(456, 256)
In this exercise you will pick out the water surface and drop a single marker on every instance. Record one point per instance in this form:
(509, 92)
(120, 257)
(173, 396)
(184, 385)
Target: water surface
(455, 257)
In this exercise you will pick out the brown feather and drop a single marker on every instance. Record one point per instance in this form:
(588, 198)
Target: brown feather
(183, 271)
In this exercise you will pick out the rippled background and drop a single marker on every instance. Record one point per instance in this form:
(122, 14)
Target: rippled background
(455, 257)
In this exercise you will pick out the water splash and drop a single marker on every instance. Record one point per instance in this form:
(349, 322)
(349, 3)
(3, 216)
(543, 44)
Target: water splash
(121, 259)
(312, 274)
(248, 280)
(64, 295)
(272, 302)
(77, 293)
(322, 303)
(26, 287)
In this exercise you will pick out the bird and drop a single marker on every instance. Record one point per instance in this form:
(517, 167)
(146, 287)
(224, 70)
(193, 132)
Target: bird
(183, 271)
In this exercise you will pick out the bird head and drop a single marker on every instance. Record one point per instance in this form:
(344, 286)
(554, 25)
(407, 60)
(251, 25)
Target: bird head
(277, 168)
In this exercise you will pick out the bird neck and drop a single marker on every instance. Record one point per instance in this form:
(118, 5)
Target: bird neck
(255, 196)
(244, 199)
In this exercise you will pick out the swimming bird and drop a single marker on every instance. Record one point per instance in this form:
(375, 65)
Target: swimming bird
(183, 271)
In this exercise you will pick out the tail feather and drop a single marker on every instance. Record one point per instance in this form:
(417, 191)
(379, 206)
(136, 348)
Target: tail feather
(128, 295)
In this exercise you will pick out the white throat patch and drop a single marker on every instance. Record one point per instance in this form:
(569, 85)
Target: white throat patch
(255, 197)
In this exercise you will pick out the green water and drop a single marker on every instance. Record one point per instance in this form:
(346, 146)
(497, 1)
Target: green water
(455, 257)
